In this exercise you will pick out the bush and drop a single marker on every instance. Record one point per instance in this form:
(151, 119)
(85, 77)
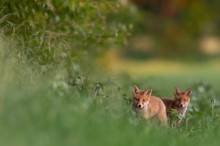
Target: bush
(63, 32)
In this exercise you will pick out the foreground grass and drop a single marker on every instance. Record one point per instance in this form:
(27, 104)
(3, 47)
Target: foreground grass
(34, 111)
(43, 109)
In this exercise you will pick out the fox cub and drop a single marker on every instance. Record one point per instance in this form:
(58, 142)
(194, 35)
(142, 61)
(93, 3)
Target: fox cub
(179, 103)
(148, 106)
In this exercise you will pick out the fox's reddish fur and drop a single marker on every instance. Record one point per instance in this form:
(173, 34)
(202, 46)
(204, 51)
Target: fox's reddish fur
(179, 103)
(148, 106)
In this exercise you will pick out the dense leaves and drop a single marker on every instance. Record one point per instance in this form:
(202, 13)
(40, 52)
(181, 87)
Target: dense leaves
(60, 31)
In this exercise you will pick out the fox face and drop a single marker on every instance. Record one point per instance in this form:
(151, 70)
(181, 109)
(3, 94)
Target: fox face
(182, 99)
(141, 98)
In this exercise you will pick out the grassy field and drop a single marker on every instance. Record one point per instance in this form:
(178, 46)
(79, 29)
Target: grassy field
(44, 110)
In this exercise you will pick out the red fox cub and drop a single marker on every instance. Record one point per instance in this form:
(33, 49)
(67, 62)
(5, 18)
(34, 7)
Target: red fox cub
(148, 106)
(179, 103)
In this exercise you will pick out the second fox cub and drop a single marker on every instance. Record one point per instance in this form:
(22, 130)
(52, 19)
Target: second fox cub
(148, 106)
(179, 103)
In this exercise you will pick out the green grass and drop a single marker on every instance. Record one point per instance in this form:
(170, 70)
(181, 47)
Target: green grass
(43, 109)
(34, 112)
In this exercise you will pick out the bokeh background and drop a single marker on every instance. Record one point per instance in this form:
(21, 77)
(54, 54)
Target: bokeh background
(168, 36)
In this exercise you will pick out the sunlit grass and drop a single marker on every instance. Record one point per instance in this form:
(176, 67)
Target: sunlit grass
(113, 62)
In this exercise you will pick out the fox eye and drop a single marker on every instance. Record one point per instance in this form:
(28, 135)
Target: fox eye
(144, 100)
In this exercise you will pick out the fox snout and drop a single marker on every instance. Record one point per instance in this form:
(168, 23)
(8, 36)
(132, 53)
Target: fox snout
(140, 105)
(181, 104)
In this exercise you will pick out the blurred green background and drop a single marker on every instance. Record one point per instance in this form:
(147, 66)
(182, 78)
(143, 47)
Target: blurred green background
(177, 29)
(67, 68)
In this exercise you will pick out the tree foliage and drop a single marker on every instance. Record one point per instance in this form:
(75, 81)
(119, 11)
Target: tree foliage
(51, 32)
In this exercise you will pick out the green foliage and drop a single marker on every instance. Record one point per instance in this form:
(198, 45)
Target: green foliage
(206, 95)
(175, 115)
(61, 32)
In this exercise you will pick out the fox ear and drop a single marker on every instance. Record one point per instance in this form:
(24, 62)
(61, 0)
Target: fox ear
(135, 89)
(148, 92)
(177, 91)
(188, 92)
